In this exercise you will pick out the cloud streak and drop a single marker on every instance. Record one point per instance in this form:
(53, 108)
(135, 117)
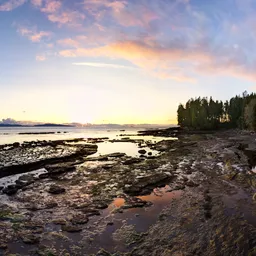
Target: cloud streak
(101, 65)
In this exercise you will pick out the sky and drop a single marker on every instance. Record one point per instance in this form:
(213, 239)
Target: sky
(127, 61)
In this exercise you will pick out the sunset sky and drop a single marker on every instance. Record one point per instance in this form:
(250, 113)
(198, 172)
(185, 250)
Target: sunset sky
(127, 61)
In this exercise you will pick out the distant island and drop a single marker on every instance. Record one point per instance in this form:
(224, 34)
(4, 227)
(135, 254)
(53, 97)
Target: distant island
(37, 125)
(53, 125)
(11, 125)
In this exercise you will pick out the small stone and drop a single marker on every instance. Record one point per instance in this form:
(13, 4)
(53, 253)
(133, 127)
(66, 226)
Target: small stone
(142, 151)
(43, 176)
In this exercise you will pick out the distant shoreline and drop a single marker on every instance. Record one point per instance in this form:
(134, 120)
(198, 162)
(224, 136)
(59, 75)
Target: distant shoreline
(120, 127)
(37, 125)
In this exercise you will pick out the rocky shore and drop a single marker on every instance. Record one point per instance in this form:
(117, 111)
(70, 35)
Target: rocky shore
(195, 198)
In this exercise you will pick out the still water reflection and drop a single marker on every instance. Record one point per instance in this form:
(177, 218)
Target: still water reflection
(138, 218)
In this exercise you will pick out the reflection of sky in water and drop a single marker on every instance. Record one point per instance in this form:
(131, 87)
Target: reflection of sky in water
(131, 149)
(141, 218)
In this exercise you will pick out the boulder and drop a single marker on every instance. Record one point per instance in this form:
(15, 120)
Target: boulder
(25, 180)
(71, 228)
(16, 144)
(10, 190)
(55, 189)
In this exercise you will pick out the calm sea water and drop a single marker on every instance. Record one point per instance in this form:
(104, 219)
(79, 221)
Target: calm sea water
(11, 135)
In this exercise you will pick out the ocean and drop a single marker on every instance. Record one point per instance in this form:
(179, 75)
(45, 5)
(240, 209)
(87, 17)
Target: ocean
(13, 134)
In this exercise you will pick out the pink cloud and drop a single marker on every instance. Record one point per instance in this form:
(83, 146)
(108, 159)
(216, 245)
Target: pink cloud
(51, 6)
(34, 35)
(129, 19)
(117, 6)
(95, 4)
(125, 13)
(66, 17)
(11, 4)
(56, 14)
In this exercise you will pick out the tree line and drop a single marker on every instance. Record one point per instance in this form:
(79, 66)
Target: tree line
(207, 114)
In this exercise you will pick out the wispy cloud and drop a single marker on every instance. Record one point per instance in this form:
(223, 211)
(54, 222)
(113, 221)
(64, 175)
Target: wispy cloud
(57, 13)
(9, 5)
(158, 60)
(176, 39)
(101, 65)
(33, 35)
(124, 12)
(71, 18)
(69, 42)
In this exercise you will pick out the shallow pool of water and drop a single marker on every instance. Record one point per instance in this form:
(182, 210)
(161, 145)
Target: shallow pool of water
(129, 148)
(12, 179)
(138, 219)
